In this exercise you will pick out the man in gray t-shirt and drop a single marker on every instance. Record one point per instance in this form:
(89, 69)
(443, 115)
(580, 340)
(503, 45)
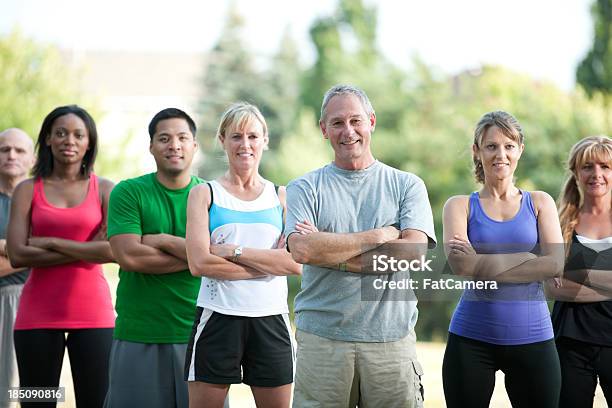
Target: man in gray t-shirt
(352, 351)
(16, 160)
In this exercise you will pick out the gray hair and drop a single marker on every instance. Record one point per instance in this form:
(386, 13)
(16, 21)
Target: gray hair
(342, 89)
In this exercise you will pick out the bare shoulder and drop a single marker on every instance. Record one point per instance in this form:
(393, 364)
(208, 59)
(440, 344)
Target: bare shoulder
(26, 187)
(542, 200)
(282, 194)
(200, 193)
(457, 203)
(105, 184)
(200, 190)
(22, 196)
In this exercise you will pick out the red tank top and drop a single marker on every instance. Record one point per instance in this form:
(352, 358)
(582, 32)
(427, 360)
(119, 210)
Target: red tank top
(73, 295)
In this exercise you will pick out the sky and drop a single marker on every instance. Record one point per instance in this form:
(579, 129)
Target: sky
(543, 38)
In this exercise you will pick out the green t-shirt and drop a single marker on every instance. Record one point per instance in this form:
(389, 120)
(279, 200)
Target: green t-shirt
(152, 308)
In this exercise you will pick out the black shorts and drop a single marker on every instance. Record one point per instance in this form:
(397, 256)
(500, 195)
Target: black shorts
(220, 345)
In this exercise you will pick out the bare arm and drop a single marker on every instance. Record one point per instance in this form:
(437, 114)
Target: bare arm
(90, 251)
(597, 279)
(167, 243)
(552, 259)
(134, 256)
(276, 261)
(197, 242)
(462, 258)
(20, 253)
(327, 248)
(570, 291)
(6, 268)
(5, 265)
(97, 250)
(411, 245)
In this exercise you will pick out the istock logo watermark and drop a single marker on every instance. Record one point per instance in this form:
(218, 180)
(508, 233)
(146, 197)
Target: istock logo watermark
(387, 264)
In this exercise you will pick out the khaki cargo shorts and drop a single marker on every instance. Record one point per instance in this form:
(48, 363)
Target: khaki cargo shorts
(340, 374)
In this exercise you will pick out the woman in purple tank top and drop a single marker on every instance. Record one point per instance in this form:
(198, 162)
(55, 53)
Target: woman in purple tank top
(510, 236)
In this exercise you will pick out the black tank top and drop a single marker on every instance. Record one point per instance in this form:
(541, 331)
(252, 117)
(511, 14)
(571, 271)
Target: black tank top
(588, 322)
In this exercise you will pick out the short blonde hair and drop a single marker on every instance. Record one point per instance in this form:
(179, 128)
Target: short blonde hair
(238, 115)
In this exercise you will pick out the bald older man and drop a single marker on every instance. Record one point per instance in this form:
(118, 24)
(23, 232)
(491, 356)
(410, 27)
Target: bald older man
(16, 160)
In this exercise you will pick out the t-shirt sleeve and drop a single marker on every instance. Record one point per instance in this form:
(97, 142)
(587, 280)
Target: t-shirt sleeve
(415, 210)
(300, 205)
(124, 211)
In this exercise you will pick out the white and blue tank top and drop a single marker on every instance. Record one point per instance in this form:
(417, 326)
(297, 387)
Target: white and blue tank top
(251, 224)
(515, 313)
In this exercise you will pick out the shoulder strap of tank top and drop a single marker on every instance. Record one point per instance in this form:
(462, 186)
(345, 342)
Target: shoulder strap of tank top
(37, 191)
(93, 188)
(473, 204)
(574, 237)
(38, 186)
(528, 202)
(276, 187)
(211, 195)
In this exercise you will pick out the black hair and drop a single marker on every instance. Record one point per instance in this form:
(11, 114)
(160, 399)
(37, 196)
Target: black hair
(171, 113)
(44, 157)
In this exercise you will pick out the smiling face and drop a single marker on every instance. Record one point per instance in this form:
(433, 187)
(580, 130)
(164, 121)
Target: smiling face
(173, 146)
(68, 140)
(594, 177)
(244, 144)
(498, 154)
(349, 130)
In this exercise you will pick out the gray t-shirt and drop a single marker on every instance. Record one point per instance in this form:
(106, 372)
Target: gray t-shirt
(17, 278)
(341, 201)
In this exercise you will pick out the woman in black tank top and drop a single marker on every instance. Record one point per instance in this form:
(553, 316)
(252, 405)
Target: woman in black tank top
(582, 314)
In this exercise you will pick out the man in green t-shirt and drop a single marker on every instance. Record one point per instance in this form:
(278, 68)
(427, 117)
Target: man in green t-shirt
(156, 293)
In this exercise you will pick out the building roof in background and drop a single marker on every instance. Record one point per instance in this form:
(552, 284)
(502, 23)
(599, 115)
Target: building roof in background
(140, 74)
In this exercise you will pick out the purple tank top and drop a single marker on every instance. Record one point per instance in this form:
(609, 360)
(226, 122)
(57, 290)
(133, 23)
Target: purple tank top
(515, 313)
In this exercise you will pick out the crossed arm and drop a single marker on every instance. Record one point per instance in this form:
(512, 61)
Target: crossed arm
(519, 267)
(570, 291)
(146, 254)
(583, 285)
(348, 251)
(26, 251)
(215, 261)
(5, 265)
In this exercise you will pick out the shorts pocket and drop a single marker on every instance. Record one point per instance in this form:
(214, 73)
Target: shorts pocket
(419, 391)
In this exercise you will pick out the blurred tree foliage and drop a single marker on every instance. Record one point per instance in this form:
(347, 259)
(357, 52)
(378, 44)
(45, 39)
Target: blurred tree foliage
(594, 73)
(38, 82)
(425, 118)
(235, 74)
(36, 79)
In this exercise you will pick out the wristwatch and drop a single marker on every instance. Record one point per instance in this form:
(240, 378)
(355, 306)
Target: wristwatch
(237, 253)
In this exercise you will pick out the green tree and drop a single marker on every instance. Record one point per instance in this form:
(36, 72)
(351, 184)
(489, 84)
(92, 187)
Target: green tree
(282, 84)
(235, 74)
(230, 76)
(347, 53)
(594, 73)
(34, 81)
